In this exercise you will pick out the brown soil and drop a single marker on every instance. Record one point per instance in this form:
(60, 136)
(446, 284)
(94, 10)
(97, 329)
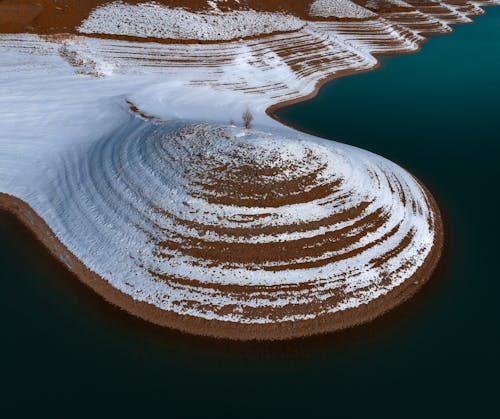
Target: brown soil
(15, 17)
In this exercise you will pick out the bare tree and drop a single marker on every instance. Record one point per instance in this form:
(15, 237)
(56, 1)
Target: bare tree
(247, 119)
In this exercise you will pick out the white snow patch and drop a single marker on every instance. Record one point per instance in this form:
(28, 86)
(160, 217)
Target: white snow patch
(339, 8)
(398, 3)
(151, 20)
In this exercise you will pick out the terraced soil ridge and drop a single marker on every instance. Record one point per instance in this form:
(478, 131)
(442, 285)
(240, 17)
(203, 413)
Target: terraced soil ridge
(258, 235)
(117, 149)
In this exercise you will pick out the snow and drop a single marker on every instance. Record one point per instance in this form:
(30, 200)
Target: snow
(151, 20)
(339, 9)
(113, 185)
(398, 3)
(95, 172)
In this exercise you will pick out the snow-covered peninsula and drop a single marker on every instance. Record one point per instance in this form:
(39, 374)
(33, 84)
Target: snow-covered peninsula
(122, 147)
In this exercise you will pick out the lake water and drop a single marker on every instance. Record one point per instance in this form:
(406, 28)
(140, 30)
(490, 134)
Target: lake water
(436, 113)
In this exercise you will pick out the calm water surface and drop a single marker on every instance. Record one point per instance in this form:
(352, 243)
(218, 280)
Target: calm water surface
(436, 113)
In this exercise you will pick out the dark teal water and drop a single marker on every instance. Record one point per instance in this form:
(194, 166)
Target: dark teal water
(437, 113)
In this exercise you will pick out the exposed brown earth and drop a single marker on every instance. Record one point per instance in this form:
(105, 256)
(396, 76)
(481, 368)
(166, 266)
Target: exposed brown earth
(16, 16)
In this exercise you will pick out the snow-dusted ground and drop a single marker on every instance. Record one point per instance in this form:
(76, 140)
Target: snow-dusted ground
(72, 149)
(153, 20)
(96, 174)
(340, 9)
(397, 3)
(117, 199)
(113, 186)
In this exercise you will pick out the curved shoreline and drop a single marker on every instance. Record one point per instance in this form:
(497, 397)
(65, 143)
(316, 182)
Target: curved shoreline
(231, 330)
(237, 331)
(271, 110)
(218, 329)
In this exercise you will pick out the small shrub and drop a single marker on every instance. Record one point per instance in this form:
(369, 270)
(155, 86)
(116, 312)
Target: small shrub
(247, 119)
